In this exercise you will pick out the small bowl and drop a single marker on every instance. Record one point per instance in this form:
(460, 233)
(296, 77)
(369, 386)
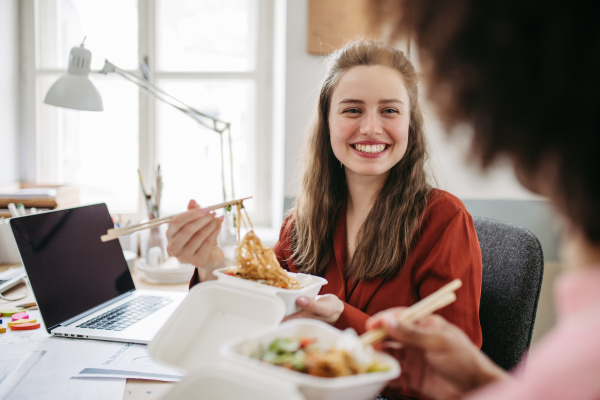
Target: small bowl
(170, 272)
(312, 286)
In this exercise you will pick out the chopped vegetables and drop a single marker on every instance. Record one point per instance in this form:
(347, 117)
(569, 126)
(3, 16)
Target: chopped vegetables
(306, 356)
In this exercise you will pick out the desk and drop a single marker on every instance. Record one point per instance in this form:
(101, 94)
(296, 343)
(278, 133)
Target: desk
(135, 388)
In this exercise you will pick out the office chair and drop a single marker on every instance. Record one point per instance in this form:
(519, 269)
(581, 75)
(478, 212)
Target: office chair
(513, 268)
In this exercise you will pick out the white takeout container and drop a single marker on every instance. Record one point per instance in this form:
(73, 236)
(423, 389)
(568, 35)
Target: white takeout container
(211, 314)
(357, 387)
(289, 296)
(209, 338)
(230, 382)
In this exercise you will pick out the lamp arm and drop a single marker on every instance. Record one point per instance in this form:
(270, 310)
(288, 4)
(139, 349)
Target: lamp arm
(199, 116)
(163, 96)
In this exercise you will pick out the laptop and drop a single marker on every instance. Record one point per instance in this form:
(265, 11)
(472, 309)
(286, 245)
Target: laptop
(82, 286)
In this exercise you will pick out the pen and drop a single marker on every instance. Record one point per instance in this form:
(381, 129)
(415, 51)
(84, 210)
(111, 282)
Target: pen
(13, 210)
(27, 305)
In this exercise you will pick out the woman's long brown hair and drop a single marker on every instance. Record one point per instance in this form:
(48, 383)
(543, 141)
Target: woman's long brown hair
(390, 230)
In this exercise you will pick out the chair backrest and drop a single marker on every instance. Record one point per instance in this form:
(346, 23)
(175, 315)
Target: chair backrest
(513, 268)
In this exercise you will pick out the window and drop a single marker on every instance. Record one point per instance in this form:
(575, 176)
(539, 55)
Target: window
(214, 55)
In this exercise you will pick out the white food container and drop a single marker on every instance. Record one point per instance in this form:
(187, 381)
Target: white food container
(357, 387)
(211, 334)
(311, 286)
(229, 382)
(211, 314)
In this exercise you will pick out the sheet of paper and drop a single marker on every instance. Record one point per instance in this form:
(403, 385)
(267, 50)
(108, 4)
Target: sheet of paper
(131, 361)
(50, 378)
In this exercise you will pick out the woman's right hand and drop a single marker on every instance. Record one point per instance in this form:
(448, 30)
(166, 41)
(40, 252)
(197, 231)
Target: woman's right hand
(436, 357)
(192, 238)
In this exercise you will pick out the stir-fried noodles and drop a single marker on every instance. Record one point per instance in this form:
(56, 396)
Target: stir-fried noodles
(256, 262)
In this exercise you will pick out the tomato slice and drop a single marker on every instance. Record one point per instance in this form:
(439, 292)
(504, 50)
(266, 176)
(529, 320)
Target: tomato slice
(306, 341)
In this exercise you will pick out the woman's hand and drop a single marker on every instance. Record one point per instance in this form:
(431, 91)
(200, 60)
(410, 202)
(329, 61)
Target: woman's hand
(192, 238)
(436, 357)
(327, 308)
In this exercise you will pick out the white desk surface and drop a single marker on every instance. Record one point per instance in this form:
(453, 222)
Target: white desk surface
(135, 388)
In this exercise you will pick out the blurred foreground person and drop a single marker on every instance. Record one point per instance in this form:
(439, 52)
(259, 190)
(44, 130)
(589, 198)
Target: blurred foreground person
(524, 75)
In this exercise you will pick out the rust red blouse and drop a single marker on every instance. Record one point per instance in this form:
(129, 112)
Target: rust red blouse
(446, 249)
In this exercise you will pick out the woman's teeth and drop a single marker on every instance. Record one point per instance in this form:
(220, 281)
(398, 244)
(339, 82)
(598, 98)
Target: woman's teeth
(370, 148)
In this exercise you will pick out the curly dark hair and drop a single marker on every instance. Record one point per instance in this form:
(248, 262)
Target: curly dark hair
(525, 74)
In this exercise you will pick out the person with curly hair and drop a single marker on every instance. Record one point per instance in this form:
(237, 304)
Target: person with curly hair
(524, 75)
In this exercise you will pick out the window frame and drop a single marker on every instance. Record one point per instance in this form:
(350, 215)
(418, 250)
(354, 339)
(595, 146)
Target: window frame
(40, 155)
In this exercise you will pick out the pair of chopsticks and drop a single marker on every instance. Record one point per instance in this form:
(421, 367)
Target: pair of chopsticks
(430, 304)
(153, 223)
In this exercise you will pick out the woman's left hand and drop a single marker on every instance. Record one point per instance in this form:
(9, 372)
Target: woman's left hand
(327, 308)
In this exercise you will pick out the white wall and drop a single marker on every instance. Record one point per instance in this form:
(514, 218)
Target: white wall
(304, 73)
(9, 99)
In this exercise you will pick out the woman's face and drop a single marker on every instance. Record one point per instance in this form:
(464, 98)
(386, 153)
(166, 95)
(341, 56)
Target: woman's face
(369, 120)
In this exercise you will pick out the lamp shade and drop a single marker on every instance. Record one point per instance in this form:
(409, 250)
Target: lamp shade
(75, 90)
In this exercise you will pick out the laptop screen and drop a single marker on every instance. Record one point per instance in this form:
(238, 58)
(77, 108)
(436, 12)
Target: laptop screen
(70, 269)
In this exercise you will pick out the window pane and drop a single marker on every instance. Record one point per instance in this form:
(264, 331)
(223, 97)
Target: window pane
(98, 151)
(190, 154)
(111, 27)
(206, 35)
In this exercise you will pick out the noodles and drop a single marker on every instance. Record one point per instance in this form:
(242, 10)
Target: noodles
(256, 262)
(305, 356)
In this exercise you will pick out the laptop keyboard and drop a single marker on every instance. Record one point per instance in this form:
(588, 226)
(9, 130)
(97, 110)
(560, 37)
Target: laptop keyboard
(127, 314)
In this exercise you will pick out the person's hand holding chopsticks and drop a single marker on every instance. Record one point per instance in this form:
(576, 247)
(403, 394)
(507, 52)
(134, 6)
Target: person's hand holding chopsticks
(192, 238)
(436, 357)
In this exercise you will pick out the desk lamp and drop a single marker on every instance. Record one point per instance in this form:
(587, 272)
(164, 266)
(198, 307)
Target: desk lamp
(76, 91)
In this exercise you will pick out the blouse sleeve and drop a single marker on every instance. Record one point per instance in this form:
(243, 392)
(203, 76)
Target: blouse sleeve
(456, 254)
(353, 318)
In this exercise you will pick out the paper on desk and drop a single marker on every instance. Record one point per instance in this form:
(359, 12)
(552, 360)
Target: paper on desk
(50, 377)
(131, 361)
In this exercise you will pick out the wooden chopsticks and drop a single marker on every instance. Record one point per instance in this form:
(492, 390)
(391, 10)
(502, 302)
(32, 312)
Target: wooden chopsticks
(112, 234)
(430, 304)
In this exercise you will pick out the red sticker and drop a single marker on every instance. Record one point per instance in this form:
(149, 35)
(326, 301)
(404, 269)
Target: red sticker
(24, 327)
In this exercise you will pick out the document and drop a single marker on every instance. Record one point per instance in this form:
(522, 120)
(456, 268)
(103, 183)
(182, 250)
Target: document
(131, 361)
(50, 377)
